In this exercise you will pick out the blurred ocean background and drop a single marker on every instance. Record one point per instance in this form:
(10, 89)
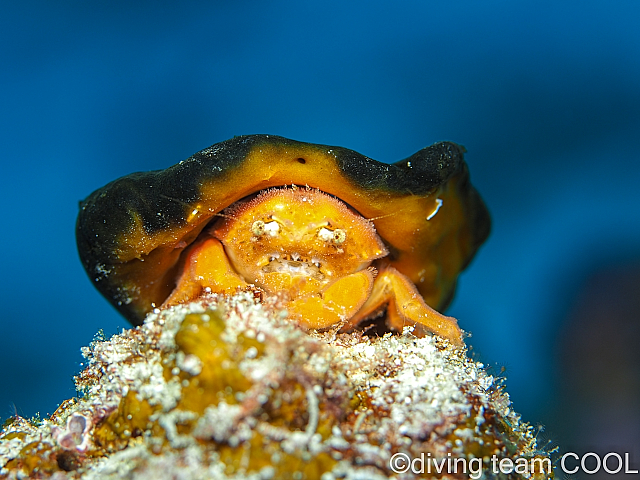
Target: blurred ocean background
(544, 95)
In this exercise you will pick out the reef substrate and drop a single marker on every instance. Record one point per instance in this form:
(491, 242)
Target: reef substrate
(228, 388)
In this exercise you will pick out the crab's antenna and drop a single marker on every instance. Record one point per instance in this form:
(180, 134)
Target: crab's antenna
(439, 203)
(385, 216)
(223, 215)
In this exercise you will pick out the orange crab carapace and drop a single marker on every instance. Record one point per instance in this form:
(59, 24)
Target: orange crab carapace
(325, 261)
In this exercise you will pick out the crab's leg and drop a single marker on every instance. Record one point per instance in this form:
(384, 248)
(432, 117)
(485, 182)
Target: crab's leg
(337, 303)
(405, 306)
(206, 265)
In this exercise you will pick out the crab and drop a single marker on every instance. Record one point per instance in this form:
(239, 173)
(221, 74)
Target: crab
(311, 249)
(337, 237)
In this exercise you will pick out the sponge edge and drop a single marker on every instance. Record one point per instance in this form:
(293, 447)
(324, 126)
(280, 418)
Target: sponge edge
(226, 387)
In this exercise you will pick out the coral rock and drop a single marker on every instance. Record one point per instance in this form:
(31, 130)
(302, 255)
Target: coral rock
(227, 388)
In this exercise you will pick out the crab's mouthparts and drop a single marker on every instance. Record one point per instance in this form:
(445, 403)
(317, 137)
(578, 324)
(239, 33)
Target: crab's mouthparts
(293, 268)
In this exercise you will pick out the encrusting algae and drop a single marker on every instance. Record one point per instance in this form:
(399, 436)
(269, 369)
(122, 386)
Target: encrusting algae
(228, 388)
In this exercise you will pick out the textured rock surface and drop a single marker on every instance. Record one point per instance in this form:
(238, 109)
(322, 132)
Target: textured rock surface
(228, 388)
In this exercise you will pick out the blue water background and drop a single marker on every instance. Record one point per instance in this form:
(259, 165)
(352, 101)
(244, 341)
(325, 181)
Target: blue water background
(544, 95)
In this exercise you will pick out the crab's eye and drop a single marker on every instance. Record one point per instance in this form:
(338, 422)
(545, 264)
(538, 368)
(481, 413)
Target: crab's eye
(336, 236)
(339, 236)
(257, 228)
(260, 228)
